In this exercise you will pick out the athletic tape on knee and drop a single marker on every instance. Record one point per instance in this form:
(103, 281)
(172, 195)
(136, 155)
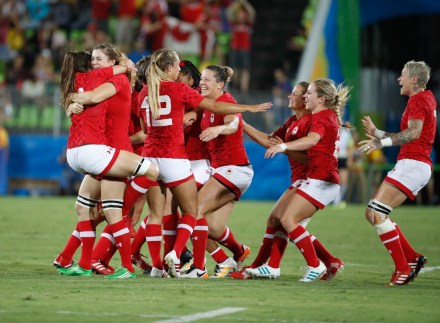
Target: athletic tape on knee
(86, 201)
(378, 209)
(384, 227)
(112, 204)
(142, 168)
(304, 222)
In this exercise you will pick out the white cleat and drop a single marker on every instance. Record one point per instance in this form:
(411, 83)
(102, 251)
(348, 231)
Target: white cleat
(264, 271)
(194, 272)
(158, 273)
(173, 263)
(223, 269)
(313, 273)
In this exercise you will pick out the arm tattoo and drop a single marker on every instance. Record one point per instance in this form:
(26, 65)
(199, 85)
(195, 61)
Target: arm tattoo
(410, 134)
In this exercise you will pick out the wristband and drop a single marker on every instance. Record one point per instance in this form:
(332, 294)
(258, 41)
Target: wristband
(379, 134)
(283, 146)
(387, 142)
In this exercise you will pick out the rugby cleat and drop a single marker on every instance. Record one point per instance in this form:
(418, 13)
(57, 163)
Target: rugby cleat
(61, 262)
(99, 268)
(141, 263)
(264, 271)
(241, 274)
(173, 264)
(186, 257)
(158, 273)
(333, 269)
(74, 270)
(194, 272)
(224, 268)
(313, 273)
(400, 278)
(244, 255)
(121, 273)
(418, 264)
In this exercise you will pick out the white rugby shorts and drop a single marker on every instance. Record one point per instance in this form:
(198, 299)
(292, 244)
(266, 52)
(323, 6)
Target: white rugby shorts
(317, 192)
(202, 171)
(172, 171)
(92, 159)
(235, 178)
(410, 176)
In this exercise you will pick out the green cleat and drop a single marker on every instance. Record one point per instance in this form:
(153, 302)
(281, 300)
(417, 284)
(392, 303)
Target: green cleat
(74, 270)
(121, 273)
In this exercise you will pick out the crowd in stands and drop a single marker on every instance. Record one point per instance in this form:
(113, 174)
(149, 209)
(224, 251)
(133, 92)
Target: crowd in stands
(34, 35)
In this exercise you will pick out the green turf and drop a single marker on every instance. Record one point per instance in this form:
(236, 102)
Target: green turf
(34, 230)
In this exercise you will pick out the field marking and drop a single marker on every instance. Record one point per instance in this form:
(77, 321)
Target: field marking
(428, 269)
(204, 315)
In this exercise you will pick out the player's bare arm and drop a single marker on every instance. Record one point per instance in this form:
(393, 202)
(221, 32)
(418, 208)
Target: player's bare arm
(410, 134)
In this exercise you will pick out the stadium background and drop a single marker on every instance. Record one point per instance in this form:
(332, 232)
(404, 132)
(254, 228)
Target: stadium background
(364, 43)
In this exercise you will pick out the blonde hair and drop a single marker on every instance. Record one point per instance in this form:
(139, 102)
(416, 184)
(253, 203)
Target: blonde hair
(160, 60)
(420, 70)
(336, 97)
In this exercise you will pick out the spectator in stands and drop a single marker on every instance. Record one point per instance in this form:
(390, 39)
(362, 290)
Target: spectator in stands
(241, 16)
(43, 68)
(345, 141)
(357, 182)
(294, 49)
(100, 15)
(5, 55)
(139, 50)
(16, 72)
(37, 12)
(152, 24)
(62, 14)
(280, 92)
(126, 17)
(33, 92)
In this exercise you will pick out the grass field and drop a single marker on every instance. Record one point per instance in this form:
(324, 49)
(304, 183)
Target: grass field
(34, 230)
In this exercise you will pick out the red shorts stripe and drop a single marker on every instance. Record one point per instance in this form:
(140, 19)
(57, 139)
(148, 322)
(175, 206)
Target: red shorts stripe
(228, 184)
(310, 199)
(401, 187)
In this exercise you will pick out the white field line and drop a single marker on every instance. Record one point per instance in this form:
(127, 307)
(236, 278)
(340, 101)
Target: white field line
(423, 270)
(204, 315)
(428, 269)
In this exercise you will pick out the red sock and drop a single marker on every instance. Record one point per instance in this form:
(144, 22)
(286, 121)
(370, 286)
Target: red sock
(108, 255)
(135, 188)
(139, 239)
(105, 242)
(391, 241)
(72, 245)
(278, 247)
(323, 254)
(169, 225)
(199, 239)
(87, 234)
(122, 239)
(184, 230)
(265, 248)
(219, 255)
(408, 250)
(153, 236)
(301, 238)
(228, 240)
